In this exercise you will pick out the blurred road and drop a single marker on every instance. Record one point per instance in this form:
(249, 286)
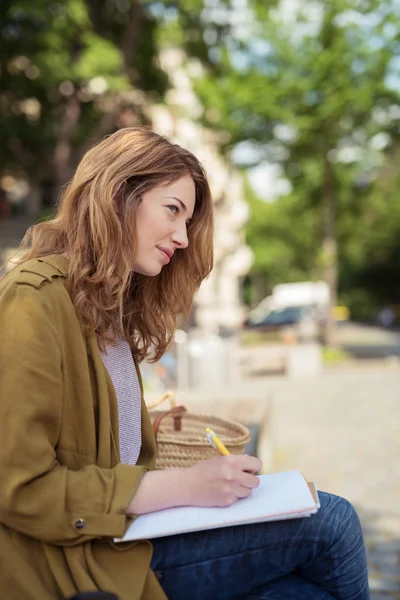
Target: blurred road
(363, 343)
(367, 341)
(341, 429)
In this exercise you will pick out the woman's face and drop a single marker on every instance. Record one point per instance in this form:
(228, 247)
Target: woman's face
(162, 219)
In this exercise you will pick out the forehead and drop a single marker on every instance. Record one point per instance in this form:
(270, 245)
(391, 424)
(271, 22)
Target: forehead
(184, 184)
(183, 189)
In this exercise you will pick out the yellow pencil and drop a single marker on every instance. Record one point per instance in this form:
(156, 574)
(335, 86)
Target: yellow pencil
(216, 442)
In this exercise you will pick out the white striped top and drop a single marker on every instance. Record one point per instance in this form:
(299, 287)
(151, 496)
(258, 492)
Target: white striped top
(121, 368)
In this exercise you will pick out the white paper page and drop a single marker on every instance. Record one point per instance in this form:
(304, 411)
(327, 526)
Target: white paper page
(279, 495)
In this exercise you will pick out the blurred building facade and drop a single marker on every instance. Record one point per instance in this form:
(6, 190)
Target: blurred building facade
(217, 305)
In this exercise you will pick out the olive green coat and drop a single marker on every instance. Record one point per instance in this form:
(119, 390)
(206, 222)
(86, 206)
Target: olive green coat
(63, 491)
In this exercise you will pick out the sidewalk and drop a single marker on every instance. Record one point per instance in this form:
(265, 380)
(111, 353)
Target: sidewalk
(341, 429)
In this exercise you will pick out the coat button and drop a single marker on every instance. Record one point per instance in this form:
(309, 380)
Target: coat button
(80, 523)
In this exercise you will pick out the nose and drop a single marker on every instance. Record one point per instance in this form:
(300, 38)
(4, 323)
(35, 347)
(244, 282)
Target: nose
(180, 237)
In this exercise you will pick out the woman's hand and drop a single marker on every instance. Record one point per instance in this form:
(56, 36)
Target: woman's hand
(221, 480)
(218, 481)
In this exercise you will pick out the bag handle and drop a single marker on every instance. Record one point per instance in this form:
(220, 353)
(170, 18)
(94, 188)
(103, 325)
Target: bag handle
(168, 395)
(176, 411)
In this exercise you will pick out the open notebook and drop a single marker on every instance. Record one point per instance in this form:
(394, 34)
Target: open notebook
(279, 496)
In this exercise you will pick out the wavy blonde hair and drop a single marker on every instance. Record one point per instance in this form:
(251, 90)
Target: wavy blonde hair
(95, 226)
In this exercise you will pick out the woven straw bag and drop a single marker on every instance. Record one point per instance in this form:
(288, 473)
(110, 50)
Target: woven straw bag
(181, 435)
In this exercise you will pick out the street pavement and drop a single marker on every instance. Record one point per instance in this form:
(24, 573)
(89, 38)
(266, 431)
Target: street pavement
(341, 430)
(368, 341)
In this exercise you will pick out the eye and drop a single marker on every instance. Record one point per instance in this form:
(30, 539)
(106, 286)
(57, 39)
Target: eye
(173, 208)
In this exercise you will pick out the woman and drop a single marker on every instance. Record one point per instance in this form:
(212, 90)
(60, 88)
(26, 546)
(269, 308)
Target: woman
(102, 283)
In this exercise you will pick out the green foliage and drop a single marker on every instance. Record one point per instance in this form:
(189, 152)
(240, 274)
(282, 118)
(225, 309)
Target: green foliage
(282, 236)
(310, 91)
(71, 57)
(334, 355)
(99, 57)
(308, 87)
(73, 71)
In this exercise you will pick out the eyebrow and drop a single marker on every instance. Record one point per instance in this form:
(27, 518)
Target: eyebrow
(178, 200)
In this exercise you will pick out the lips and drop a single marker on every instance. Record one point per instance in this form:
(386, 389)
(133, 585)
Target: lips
(166, 253)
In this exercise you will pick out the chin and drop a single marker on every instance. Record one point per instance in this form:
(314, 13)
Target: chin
(149, 271)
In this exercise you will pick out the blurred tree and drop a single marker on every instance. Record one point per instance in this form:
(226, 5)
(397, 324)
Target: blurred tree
(72, 71)
(309, 86)
(370, 262)
(282, 250)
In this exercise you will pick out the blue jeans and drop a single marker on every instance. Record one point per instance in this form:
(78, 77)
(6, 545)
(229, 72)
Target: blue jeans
(316, 558)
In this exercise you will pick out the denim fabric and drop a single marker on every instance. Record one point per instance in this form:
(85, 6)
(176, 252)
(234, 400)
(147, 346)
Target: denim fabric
(316, 558)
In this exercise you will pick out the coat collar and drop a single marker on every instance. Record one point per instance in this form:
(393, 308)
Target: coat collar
(58, 261)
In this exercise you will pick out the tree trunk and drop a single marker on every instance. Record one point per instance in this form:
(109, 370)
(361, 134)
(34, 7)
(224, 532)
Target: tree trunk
(129, 44)
(257, 289)
(62, 155)
(329, 250)
(253, 295)
(130, 38)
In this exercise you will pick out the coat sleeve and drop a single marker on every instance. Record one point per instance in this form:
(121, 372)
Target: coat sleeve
(38, 496)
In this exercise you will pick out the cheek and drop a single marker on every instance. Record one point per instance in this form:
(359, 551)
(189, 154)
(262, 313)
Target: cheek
(145, 224)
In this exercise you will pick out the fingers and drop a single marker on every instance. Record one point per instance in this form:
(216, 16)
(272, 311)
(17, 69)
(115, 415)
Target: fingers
(222, 480)
(250, 464)
(248, 480)
(243, 493)
(246, 484)
(243, 481)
